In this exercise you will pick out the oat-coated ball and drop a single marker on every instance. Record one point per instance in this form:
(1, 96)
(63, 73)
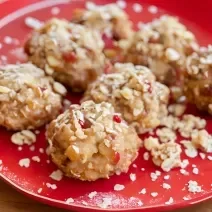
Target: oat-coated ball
(90, 141)
(198, 79)
(162, 45)
(133, 91)
(28, 98)
(71, 53)
(108, 19)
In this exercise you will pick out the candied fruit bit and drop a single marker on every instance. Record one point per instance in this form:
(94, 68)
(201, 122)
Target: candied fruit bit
(149, 87)
(108, 68)
(70, 56)
(116, 157)
(82, 124)
(117, 119)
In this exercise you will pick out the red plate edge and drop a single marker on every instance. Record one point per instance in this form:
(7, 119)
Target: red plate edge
(204, 21)
(61, 204)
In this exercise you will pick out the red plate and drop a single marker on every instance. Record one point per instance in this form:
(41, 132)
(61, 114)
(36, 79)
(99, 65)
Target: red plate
(29, 180)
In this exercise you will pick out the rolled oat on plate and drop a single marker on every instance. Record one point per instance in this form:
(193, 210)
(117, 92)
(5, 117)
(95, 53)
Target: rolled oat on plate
(28, 98)
(90, 141)
(134, 93)
(70, 53)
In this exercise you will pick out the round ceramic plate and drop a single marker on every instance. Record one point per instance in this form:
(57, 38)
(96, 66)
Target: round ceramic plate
(35, 182)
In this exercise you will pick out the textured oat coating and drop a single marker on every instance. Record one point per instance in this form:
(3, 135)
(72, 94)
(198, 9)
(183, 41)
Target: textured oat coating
(27, 97)
(133, 91)
(68, 52)
(108, 19)
(90, 141)
(198, 79)
(162, 45)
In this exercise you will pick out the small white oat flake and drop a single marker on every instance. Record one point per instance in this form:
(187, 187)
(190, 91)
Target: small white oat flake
(119, 187)
(69, 200)
(154, 194)
(153, 9)
(193, 187)
(25, 162)
(105, 202)
(133, 177)
(52, 186)
(146, 156)
(56, 175)
(137, 8)
(143, 191)
(170, 201)
(195, 170)
(36, 159)
(122, 4)
(92, 194)
(40, 190)
(166, 177)
(166, 186)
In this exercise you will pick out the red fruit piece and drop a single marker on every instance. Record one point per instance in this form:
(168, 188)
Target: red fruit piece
(70, 57)
(116, 157)
(117, 119)
(82, 124)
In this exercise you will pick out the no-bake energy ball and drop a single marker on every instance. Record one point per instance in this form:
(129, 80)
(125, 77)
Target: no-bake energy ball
(133, 91)
(198, 79)
(108, 19)
(90, 141)
(162, 45)
(71, 53)
(28, 99)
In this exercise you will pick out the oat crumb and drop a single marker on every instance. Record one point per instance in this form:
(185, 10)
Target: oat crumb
(56, 175)
(25, 162)
(119, 187)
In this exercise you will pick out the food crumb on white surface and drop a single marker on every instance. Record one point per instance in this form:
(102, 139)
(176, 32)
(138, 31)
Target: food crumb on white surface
(36, 159)
(202, 155)
(166, 177)
(20, 148)
(119, 187)
(33, 23)
(92, 194)
(122, 4)
(166, 186)
(170, 201)
(143, 191)
(32, 148)
(25, 162)
(137, 7)
(133, 177)
(8, 40)
(52, 186)
(40, 190)
(195, 170)
(69, 200)
(41, 150)
(153, 9)
(56, 175)
(154, 194)
(105, 202)
(193, 187)
(55, 10)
